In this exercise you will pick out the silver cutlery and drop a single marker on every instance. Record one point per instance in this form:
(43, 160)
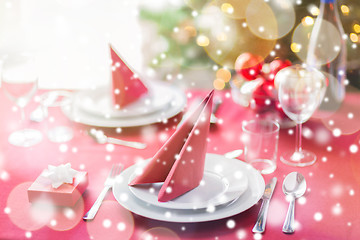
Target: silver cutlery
(234, 154)
(261, 219)
(109, 182)
(101, 138)
(41, 112)
(294, 186)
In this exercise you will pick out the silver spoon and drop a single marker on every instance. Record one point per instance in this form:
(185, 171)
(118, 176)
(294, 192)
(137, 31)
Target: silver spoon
(101, 138)
(294, 186)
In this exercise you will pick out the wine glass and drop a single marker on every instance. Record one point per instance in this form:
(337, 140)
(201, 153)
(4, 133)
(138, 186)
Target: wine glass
(19, 82)
(301, 90)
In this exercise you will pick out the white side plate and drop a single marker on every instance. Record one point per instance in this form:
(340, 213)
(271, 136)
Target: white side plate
(215, 189)
(99, 102)
(215, 163)
(176, 105)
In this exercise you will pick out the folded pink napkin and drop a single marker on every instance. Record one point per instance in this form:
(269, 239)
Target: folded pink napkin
(180, 161)
(126, 85)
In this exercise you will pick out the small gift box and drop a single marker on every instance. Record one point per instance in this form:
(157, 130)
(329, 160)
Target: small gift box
(62, 186)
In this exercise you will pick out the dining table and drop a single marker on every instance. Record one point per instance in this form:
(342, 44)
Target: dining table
(329, 209)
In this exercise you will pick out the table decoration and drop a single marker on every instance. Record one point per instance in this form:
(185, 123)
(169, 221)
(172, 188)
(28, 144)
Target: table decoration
(94, 107)
(19, 81)
(60, 185)
(51, 103)
(126, 85)
(187, 146)
(327, 52)
(260, 138)
(216, 188)
(254, 87)
(301, 90)
(259, 226)
(109, 182)
(294, 186)
(213, 163)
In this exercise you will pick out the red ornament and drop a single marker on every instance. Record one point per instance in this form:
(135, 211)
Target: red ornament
(276, 66)
(249, 65)
(262, 98)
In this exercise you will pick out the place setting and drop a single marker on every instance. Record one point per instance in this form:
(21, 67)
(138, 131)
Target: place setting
(129, 101)
(183, 183)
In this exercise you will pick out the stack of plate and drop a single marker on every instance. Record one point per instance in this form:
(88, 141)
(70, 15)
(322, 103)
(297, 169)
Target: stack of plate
(229, 187)
(94, 107)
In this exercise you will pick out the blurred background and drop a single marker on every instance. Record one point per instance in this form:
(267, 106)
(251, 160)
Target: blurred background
(191, 43)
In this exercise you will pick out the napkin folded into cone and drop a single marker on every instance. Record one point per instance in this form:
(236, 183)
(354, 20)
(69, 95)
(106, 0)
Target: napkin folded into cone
(180, 161)
(126, 85)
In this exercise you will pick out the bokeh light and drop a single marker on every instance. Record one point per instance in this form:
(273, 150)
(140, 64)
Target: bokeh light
(346, 119)
(313, 9)
(33, 216)
(159, 233)
(328, 43)
(219, 84)
(223, 74)
(261, 20)
(270, 19)
(356, 28)
(300, 40)
(196, 4)
(67, 217)
(307, 21)
(228, 38)
(112, 222)
(354, 37)
(233, 8)
(345, 10)
(23, 214)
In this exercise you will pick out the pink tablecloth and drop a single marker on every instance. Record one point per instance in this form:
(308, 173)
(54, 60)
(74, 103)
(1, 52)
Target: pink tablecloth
(329, 209)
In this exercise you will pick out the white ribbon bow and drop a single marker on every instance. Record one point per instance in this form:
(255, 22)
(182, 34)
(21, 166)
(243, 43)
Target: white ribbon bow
(60, 174)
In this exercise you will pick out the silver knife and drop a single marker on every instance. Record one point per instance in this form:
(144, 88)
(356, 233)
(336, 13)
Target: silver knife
(261, 219)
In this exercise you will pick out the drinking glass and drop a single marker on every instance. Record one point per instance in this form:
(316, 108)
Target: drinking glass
(260, 138)
(301, 90)
(19, 82)
(51, 103)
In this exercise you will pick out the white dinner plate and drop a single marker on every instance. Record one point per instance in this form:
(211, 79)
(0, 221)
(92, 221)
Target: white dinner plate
(214, 162)
(176, 105)
(214, 189)
(99, 102)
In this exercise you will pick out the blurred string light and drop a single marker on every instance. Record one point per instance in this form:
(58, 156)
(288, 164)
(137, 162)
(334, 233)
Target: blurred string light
(202, 41)
(227, 8)
(313, 10)
(345, 10)
(223, 76)
(356, 28)
(307, 21)
(354, 37)
(295, 47)
(227, 34)
(234, 9)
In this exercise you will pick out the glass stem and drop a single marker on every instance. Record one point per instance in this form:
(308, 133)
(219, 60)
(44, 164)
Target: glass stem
(298, 138)
(22, 112)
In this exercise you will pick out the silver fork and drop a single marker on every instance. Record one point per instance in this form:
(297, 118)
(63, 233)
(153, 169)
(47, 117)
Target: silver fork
(109, 182)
